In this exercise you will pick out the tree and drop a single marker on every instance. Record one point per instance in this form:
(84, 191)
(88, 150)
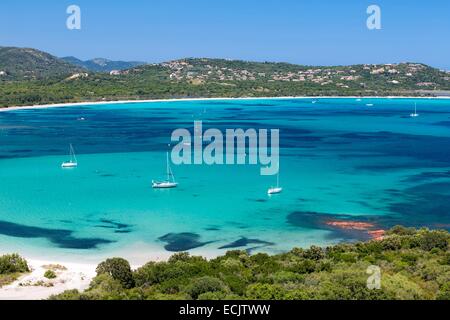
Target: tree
(444, 292)
(119, 269)
(50, 274)
(204, 285)
(314, 253)
(434, 239)
(415, 265)
(261, 291)
(12, 263)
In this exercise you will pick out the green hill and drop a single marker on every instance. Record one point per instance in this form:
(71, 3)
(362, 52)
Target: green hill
(34, 77)
(31, 64)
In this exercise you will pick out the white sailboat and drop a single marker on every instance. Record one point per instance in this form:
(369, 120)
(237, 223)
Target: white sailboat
(415, 114)
(72, 163)
(277, 189)
(169, 183)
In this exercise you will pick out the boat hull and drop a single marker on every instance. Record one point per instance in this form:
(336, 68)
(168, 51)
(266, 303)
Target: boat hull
(69, 165)
(164, 185)
(274, 190)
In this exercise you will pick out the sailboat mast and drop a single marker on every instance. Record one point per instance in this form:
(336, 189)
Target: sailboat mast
(167, 166)
(278, 175)
(73, 153)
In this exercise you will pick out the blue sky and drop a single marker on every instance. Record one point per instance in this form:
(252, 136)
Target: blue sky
(319, 32)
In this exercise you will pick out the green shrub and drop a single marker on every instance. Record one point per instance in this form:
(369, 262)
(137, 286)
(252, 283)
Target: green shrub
(434, 239)
(286, 277)
(218, 295)
(119, 269)
(49, 274)
(67, 295)
(298, 252)
(157, 273)
(231, 264)
(265, 291)
(409, 258)
(414, 264)
(236, 283)
(204, 285)
(314, 253)
(105, 287)
(444, 292)
(392, 243)
(402, 231)
(13, 263)
(350, 257)
(445, 260)
(180, 256)
(303, 266)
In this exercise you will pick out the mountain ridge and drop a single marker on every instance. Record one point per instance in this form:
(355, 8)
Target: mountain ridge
(102, 64)
(32, 64)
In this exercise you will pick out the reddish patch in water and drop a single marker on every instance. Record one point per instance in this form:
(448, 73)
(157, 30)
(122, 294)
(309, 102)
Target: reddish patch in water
(376, 234)
(351, 225)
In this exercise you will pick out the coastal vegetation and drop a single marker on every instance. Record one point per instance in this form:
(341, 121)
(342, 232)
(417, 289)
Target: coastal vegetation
(50, 274)
(414, 264)
(29, 76)
(11, 267)
(28, 64)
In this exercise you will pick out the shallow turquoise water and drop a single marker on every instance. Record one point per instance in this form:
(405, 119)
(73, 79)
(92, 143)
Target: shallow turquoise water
(340, 161)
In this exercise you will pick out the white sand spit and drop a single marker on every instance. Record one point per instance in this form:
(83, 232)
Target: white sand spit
(34, 286)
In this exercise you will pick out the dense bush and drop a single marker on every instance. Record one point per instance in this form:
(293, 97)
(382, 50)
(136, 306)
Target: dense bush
(11, 266)
(119, 269)
(205, 284)
(414, 264)
(434, 239)
(50, 274)
(13, 263)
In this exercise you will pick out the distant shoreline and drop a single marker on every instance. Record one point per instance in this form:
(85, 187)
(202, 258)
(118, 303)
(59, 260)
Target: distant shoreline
(61, 105)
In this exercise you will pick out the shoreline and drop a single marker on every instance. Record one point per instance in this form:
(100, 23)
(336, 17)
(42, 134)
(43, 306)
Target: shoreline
(74, 104)
(34, 286)
(73, 274)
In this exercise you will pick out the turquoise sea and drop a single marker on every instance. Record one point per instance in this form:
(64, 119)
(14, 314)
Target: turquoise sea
(341, 161)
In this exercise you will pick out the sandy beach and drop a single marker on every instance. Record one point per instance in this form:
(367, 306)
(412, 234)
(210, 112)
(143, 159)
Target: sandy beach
(60, 105)
(77, 272)
(34, 286)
